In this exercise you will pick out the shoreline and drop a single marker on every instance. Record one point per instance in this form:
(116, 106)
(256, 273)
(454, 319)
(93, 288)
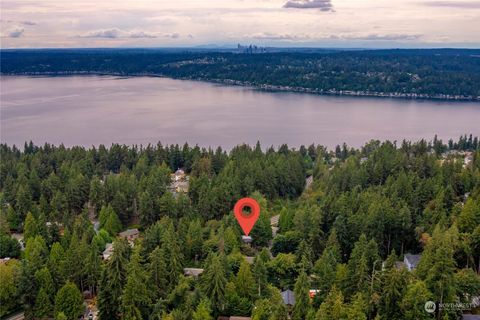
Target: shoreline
(264, 87)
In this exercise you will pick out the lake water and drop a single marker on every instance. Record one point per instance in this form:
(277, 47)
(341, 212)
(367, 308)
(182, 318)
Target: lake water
(93, 110)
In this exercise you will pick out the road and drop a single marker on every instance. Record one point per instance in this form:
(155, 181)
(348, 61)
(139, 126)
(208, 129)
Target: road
(17, 316)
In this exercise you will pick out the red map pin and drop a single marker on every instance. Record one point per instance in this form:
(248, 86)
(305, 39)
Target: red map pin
(245, 220)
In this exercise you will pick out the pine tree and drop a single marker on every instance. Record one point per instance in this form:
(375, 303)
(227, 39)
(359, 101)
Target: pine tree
(56, 261)
(326, 266)
(36, 252)
(113, 225)
(69, 301)
(358, 308)
(362, 260)
(214, 280)
(333, 307)
(394, 285)
(244, 282)
(203, 311)
(26, 287)
(8, 289)
(112, 281)
(92, 268)
(30, 227)
(158, 272)
(413, 302)
(302, 297)
(43, 305)
(44, 280)
(260, 274)
(96, 195)
(136, 297)
(146, 209)
(437, 265)
(173, 254)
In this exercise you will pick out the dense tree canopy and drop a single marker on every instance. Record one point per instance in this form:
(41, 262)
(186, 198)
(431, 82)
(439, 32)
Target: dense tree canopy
(342, 240)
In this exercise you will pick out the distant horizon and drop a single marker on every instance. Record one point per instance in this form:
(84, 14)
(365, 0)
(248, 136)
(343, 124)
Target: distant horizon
(232, 47)
(268, 23)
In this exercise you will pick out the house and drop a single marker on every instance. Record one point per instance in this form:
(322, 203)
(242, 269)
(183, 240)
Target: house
(274, 231)
(246, 239)
(239, 318)
(179, 186)
(274, 220)
(467, 160)
(288, 297)
(179, 182)
(19, 238)
(130, 234)
(5, 260)
(470, 316)
(313, 292)
(308, 182)
(274, 224)
(192, 272)
(107, 253)
(411, 261)
(250, 260)
(179, 175)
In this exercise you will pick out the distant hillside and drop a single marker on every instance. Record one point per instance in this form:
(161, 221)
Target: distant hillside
(416, 73)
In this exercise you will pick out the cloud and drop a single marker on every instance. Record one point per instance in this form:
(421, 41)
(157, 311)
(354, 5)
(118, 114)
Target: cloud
(171, 35)
(109, 33)
(454, 4)
(277, 36)
(17, 33)
(142, 34)
(324, 5)
(381, 37)
(321, 37)
(116, 33)
(25, 23)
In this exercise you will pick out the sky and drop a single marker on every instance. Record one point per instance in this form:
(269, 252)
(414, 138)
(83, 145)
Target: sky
(280, 23)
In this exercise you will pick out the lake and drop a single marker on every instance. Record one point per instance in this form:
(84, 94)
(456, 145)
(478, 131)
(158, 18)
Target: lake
(93, 110)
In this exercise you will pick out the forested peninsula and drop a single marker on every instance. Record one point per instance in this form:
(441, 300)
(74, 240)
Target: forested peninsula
(445, 74)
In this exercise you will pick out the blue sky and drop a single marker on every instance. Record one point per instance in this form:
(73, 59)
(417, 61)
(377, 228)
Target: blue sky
(288, 23)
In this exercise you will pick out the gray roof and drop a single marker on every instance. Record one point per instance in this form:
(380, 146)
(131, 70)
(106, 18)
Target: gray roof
(288, 297)
(192, 271)
(247, 239)
(413, 259)
(471, 316)
(129, 233)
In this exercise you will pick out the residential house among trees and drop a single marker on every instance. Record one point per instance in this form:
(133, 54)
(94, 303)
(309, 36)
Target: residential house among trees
(411, 261)
(130, 235)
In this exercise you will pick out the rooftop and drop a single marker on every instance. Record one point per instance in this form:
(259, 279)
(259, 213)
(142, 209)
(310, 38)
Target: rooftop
(413, 259)
(274, 220)
(129, 233)
(195, 272)
(288, 297)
